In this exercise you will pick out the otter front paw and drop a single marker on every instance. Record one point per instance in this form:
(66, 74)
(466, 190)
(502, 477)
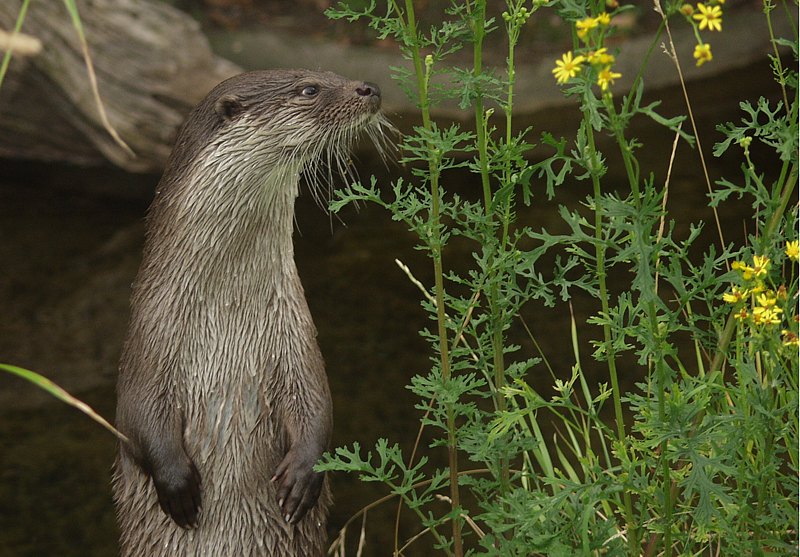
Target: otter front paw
(298, 485)
(178, 489)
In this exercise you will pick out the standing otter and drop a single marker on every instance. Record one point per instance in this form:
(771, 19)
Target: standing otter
(222, 388)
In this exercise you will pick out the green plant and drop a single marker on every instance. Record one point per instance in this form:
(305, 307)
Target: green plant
(709, 462)
(48, 386)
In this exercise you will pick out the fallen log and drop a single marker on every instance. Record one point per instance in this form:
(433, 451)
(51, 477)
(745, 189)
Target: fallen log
(152, 64)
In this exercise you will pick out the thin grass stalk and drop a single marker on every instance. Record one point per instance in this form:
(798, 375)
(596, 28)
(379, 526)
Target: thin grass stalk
(23, 10)
(58, 392)
(674, 56)
(72, 8)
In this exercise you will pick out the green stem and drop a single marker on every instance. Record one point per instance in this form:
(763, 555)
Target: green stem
(783, 202)
(402, 493)
(478, 21)
(513, 31)
(17, 26)
(478, 15)
(656, 356)
(768, 7)
(610, 356)
(643, 66)
(422, 73)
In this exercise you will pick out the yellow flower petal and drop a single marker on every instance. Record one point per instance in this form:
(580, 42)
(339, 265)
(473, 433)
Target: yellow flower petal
(792, 250)
(600, 57)
(603, 19)
(760, 265)
(702, 53)
(766, 316)
(584, 26)
(606, 77)
(709, 17)
(568, 67)
(789, 338)
(734, 296)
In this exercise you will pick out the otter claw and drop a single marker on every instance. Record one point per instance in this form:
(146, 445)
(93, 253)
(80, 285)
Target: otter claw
(298, 487)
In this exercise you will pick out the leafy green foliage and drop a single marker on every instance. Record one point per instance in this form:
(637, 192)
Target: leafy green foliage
(707, 462)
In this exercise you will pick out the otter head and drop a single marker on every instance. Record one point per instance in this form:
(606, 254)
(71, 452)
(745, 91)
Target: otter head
(296, 108)
(299, 120)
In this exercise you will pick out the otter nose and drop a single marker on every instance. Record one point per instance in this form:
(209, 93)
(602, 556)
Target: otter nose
(368, 89)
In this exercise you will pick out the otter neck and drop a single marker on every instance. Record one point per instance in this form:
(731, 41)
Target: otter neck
(237, 229)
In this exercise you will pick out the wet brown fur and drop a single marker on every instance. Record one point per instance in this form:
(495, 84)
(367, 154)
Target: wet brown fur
(222, 388)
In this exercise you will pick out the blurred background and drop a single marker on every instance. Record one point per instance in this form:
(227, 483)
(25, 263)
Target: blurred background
(72, 204)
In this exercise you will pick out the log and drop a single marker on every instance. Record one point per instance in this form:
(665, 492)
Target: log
(152, 64)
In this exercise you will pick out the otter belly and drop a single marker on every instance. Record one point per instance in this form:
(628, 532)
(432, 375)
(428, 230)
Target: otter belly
(237, 521)
(234, 365)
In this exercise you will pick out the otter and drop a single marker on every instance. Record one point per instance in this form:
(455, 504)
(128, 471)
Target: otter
(222, 390)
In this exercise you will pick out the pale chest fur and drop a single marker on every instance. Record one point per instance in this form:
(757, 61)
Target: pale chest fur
(231, 300)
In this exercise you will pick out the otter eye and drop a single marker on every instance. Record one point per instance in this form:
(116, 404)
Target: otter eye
(310, 91)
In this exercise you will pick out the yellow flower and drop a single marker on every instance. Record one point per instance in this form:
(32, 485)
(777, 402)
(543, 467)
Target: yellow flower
(600, 57)
(789, 338)
(741, 315)
(709, 16)
(588, 23)
(567, 67)
(584, 26)
(606, 77)
(687, 9)
(792, 250)
(735, 295)
(767, 299)
(766, 315)
(746, 270)
(759, 268)
(702, 54)
(760, 265)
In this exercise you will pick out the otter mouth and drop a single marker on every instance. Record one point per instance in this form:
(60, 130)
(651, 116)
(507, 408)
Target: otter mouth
(333, 162)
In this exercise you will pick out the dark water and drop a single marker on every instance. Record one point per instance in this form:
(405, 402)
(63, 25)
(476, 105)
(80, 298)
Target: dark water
(68, 257)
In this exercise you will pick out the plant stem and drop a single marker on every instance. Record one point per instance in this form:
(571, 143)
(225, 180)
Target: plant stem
(610, 356)
(10, 51)
(422, 73)
(768, 7)
(656, 356)
(478, 15)
(478, 21)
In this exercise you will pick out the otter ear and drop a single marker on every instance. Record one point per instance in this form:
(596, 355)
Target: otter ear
(229, 107)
